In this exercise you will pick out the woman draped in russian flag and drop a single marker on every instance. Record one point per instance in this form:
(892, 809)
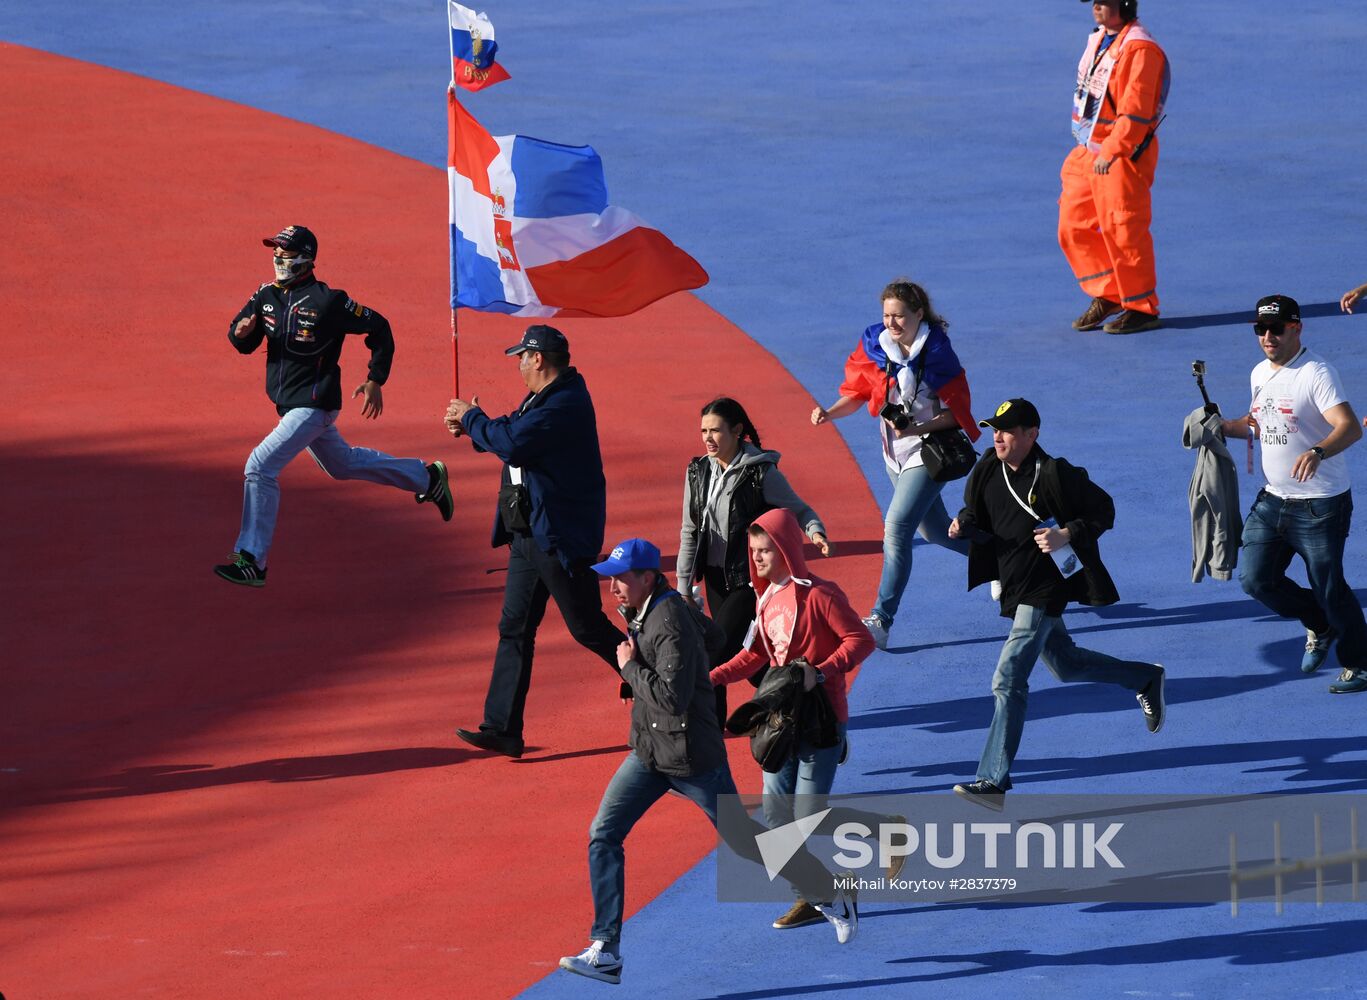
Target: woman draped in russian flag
(906, 371)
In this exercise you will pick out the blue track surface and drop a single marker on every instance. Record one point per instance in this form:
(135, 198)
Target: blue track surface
(805, 154)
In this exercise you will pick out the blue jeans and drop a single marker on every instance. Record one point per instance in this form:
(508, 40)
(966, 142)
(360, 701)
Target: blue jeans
(800, 787)
(304, 428)
(1315, 530)
(633, 790)
(1035, 635)
(916, 505)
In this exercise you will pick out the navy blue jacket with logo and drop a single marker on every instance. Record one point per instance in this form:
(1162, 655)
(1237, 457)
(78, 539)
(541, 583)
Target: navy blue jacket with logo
(553, 438)
(304, 327)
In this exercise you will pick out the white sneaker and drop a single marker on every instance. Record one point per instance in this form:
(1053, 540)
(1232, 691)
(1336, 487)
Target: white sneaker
(843, 912)
(595, 963)
(996, 586)
(877, 629)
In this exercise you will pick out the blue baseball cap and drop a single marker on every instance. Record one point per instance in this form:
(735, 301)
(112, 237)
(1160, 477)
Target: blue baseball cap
(633, 554)
(540, 337)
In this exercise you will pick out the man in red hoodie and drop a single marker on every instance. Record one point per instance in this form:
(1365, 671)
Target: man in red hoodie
(801, 618)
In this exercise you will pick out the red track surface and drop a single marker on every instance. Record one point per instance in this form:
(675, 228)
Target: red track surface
(210, 791)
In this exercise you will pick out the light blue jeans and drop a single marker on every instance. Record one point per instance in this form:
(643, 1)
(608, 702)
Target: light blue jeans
(799, 789)
(1034, 636)
(916, 505)
(300, 429)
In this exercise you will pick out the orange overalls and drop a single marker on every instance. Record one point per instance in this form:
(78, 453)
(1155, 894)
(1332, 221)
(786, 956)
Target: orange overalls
(1103, 219)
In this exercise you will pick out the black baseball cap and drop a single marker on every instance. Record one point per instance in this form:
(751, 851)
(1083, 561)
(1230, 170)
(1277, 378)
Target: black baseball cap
(1277, 310)
(540, 337)
(295, 238)
(1013, 413)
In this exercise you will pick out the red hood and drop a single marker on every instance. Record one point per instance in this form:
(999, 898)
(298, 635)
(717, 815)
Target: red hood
(788, 538)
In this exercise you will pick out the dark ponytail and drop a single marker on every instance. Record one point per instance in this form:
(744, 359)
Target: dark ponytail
(734, 415)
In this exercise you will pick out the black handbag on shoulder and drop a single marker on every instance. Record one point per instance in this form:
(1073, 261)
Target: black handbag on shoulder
(947, 454)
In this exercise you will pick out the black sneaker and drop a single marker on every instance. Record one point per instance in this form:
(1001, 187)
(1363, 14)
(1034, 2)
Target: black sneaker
(983, 793)
(438, 491)
(1153, 703)
(242, 570)
(509, 746)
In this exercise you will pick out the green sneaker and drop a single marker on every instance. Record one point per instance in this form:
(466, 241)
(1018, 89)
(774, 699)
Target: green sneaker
(242, 570)
(438, 491)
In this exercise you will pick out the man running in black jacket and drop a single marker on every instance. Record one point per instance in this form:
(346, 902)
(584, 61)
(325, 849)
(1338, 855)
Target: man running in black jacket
(1033, 521)
(304, 323)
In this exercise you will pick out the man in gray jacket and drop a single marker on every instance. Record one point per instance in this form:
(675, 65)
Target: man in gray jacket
(676, 744)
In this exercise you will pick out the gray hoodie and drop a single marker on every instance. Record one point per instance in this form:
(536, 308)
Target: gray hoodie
(709, 541)
(1216, 524)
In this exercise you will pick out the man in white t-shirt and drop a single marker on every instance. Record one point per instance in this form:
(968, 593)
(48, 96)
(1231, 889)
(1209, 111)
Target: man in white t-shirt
(1304, 422)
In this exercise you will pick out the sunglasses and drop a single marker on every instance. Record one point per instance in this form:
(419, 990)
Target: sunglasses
(1269, 331)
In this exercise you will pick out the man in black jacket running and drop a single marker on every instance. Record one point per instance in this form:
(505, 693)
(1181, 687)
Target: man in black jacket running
(304, 323)
(1033, 522)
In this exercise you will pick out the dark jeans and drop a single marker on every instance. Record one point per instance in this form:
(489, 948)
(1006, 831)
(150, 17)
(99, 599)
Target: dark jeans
(1277, 529)
(733, 611)
(534, 576)
(633, 790)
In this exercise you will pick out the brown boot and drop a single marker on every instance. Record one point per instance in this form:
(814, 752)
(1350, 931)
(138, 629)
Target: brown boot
(802, 914)
(1096, 314)
(1133, 321)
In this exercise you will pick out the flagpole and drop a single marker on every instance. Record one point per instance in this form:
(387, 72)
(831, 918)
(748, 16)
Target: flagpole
(455, 326)
(455, 356)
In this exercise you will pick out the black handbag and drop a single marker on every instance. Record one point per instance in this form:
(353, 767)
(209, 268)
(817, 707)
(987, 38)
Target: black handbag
(771, 718)
(515, 508)
(947, 454)
(774, 742)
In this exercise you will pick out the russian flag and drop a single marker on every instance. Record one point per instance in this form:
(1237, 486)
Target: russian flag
(472, 49)
(532, 233)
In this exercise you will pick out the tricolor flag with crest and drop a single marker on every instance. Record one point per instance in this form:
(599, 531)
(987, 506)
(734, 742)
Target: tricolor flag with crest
(532, 233)
(473, 49)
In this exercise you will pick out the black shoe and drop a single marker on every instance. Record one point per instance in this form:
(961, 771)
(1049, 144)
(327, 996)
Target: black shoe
(438, 491)
(242, 570)
(983, 793)
(1096, 314)
(509, 746)
(1133, 321)
(1151, 700)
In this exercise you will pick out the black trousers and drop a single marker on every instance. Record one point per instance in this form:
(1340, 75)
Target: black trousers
(733, 611)
(535, 576)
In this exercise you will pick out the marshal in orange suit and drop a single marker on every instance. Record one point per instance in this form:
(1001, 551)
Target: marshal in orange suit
(1105, 208)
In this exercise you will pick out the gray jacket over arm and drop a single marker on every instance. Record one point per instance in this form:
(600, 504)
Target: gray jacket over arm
(1216, 524)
